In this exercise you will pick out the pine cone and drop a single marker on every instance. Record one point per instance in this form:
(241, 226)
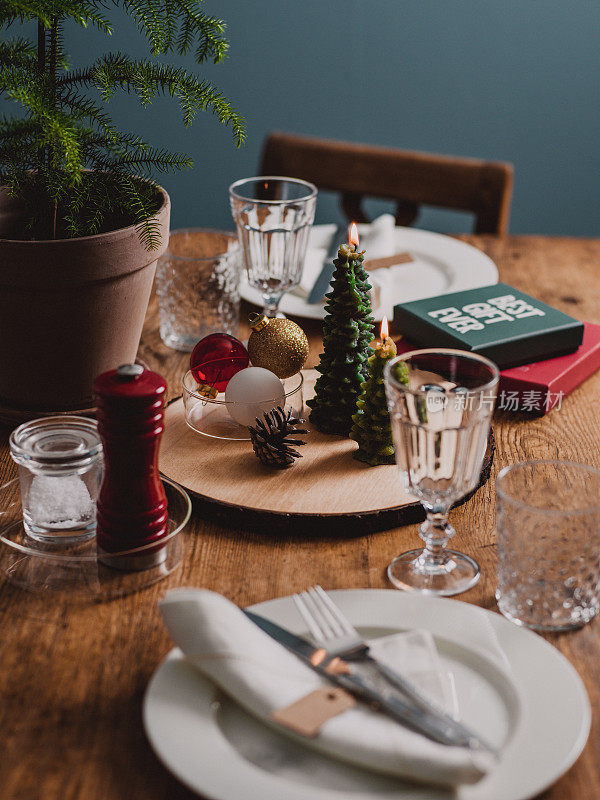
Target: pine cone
(270, 438)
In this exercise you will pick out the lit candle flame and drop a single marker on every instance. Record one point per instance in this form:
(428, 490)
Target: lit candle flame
(385, 330)
(353, 235)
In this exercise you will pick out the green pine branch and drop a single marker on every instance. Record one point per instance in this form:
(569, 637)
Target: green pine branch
(18, 53)
(83, 13)
(143, 207)
(62, 154)
(179, 25)
(149, 80)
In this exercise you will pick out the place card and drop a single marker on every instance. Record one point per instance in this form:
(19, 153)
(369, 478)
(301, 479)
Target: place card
(307, 715)
(387, 262)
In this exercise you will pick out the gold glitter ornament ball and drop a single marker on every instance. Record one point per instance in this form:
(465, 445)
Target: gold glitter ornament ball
(277, 344)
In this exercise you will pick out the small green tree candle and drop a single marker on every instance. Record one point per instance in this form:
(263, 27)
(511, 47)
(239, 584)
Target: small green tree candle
(347, 331)
(371, 423)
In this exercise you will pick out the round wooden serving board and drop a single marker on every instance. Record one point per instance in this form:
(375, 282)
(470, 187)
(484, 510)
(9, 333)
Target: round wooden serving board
(326, 484)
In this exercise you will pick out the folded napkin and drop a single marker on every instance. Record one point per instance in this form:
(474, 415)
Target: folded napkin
(377, 238)
(262, 676)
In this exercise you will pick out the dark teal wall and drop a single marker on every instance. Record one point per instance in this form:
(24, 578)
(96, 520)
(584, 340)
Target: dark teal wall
(517, 80)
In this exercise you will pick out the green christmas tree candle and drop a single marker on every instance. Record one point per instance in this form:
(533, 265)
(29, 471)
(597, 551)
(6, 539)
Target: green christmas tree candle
(371, 423)
(347, 331)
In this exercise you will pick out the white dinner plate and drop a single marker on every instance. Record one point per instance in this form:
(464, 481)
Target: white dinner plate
(536, 709)
(441, 265)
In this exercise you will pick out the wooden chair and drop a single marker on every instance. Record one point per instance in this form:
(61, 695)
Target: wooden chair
(410, 178)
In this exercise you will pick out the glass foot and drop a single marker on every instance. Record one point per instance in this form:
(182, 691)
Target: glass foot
(185, 344)
(453, 575)
(273, 314)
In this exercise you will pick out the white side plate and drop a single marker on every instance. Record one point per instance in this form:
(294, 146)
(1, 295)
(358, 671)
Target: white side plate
(441, 265)
(535, 708)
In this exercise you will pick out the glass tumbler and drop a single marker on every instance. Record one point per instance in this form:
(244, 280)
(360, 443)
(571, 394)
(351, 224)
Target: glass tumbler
(61, 466)
(197, 282)
(440, 404)
(548, 527)
(274, 216)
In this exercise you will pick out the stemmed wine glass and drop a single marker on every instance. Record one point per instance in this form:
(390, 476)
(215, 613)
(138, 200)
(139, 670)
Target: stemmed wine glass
(440, 404)
(273, 216)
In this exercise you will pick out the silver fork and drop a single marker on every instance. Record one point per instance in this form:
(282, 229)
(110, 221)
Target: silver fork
(331, 629)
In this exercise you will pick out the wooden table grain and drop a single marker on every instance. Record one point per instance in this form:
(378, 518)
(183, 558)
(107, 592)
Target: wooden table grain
(72, 677)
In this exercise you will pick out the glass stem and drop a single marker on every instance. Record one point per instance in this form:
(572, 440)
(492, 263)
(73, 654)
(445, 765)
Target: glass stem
(435, 532)
(271, 304)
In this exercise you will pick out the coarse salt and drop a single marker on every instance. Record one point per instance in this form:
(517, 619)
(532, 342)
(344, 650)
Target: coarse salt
(65, 500)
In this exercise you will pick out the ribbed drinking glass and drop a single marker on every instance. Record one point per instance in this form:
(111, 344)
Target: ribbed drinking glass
(440, 404)
(197, 283)
(273, 216)
(548, 526)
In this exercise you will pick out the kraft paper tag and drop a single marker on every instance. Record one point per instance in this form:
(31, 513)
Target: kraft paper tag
(389, 261)
(307, 715)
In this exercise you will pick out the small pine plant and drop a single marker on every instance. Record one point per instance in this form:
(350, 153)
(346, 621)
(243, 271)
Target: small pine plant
(62, 156)
(347, 331)
(372, 429)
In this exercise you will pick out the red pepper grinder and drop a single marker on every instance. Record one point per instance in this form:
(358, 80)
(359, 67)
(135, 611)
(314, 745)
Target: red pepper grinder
(132, 505)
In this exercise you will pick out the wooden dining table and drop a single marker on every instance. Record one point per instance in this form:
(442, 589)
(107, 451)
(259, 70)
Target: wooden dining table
(73, 675)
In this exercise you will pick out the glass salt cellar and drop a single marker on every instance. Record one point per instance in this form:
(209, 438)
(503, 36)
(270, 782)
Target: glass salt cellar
(60, 464)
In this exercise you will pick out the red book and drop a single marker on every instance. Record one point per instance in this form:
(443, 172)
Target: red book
(539, 387)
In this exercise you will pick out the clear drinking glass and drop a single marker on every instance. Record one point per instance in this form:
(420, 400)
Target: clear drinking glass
(440, 404)
(197, 282)
(548, 526)
(274, 216)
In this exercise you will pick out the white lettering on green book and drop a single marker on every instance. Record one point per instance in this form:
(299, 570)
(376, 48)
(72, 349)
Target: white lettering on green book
(475, 316)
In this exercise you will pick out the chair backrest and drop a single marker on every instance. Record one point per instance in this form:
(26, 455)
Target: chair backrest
(412, 179)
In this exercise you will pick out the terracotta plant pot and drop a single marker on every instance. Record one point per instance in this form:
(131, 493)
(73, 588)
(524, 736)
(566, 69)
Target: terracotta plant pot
(69, 310)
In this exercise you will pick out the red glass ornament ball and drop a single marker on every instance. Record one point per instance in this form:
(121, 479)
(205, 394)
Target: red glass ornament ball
(217, 358)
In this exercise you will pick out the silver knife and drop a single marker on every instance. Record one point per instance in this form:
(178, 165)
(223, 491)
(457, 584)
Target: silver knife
(320, 286)
(438, 727)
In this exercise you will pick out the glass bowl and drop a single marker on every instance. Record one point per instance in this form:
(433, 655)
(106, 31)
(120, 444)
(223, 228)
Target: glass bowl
(74, 568)
(211, 417)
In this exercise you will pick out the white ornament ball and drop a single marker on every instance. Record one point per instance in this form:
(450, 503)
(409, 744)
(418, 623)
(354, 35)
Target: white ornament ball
(252, 392)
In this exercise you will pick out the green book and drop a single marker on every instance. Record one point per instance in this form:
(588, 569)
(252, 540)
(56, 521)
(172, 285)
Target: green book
(500, 322)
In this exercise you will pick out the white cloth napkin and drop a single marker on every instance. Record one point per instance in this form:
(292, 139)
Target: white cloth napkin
(377, 238)
(262, 676)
